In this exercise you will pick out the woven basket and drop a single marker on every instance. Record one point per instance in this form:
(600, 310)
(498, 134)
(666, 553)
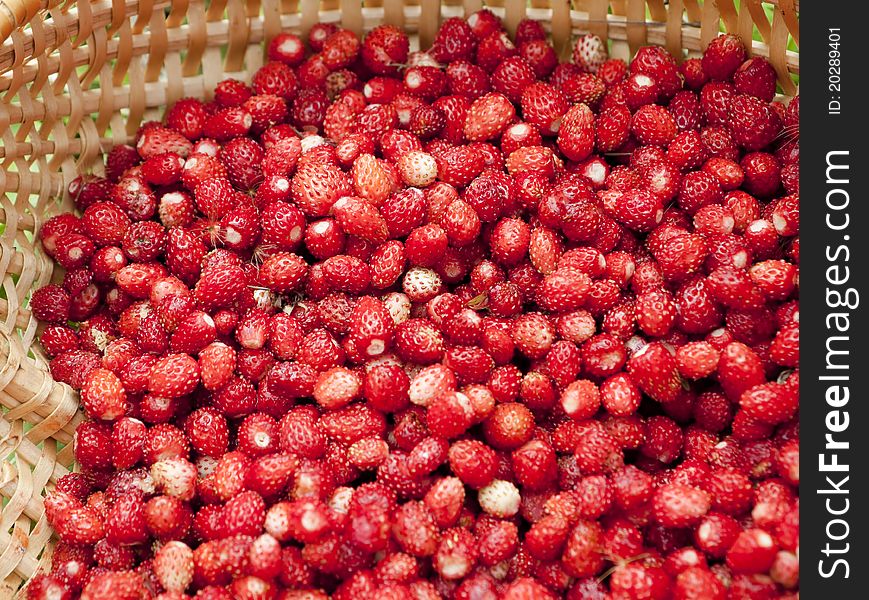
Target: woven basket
(78, 77)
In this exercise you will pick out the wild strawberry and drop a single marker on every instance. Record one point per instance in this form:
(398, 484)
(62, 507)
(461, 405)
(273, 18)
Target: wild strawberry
(761, 173)
(589, 52)
(511, 77)
(493, 49)
(417, 168)
(372, 178)
(576, 133)
(540, 55)
(51, 304)
(499, 499)
(286, 48)
(563, 290)
(455, 40)
(723, 56)
(676, 505)
(173, 376)
(103, 395)
(358, 217)
(757, 78)
(652, 124)
(208, 432)
(543, 106)
(426, 82)
(123, 585)
(753, 123)
(384, 48)
(637, 209)
(159, 140)
(753, 551)
(488, 116)
(654, 370)
(377, 119)
(316, 187)
(173, 566)
(104, 223)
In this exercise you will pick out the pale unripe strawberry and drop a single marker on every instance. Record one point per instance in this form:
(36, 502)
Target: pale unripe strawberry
(176, 477)
(456, 554)
(398, 305)
(589, 52)
(417, 168)
(173, 566)
(500, 499)
(430, 383)
(421, 284)
(340, 499)
(336, 388)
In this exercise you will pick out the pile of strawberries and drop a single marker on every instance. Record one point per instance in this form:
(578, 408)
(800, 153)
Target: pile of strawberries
(464, 323)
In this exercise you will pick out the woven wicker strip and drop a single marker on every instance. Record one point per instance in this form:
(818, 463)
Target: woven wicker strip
(78, 77)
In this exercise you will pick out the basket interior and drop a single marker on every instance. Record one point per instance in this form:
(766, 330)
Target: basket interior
(77, 78)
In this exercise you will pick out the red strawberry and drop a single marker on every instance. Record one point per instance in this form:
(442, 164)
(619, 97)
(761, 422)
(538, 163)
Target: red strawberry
(612, 128)
(105, 224)
(384, 49)
(540, 55)
(51, 304)
(187, 116)
(173, 376)
(686, 110)
(637, 209)
(589, 52)
(426, 121)
(585, 88)
(756, 77)
(357, 217)
(160, 140)
(493, 49)
(242, 158)
(219, 286)
(283, 272)
(563, 290)
(653, 369)
(612, 71)
(658, 64)
(120, 159)
(231, 92)
(576, 134)
(316, 187)
(458, 166)
(373, 178)
(739, 369)
(340, 49)
(275, 78)
(529, 29)
(488, 116)
(228, 123)
(723, 56)
(653, 125)
(512, 76)
(455, 40)
(377, 119)
(103, 395)
(544, 106)
(753, 123)
(426, 82)
(287, 48)
(681, 255)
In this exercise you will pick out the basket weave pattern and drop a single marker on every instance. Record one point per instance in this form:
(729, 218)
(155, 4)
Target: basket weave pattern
(77, 78)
